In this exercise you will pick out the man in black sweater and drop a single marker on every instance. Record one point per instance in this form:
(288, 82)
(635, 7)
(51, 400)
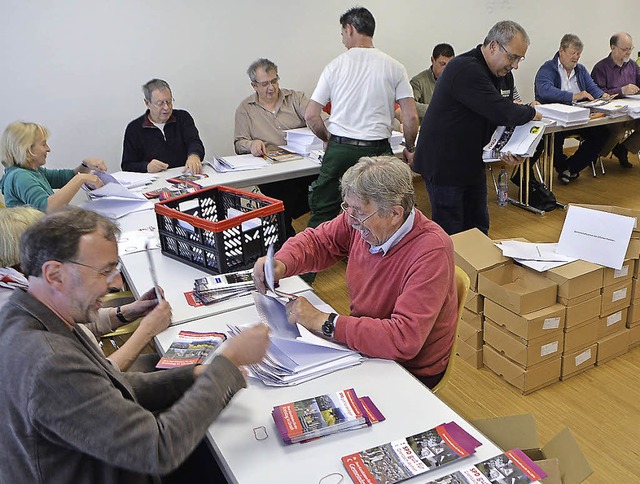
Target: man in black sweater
(472, 97)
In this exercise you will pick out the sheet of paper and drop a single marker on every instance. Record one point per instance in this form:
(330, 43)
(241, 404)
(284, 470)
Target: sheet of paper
(136, 240)
(596, 236)
(273, 313)
(540, 266)
(533, 251)
(269, 264)
(114, 208)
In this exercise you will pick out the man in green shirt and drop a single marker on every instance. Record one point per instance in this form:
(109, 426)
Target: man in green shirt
(424, 83)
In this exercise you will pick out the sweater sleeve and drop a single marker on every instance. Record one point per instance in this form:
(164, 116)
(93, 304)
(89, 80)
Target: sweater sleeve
(242, 131)
(133, 151)
(191, 136)
(587, 83)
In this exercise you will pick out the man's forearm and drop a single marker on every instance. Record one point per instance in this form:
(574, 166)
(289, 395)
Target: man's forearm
(316, 125)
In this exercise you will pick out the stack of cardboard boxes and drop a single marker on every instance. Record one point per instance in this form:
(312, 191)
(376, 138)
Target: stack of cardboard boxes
(534, 329)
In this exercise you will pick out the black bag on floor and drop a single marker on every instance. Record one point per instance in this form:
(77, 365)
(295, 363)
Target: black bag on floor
(541, 197)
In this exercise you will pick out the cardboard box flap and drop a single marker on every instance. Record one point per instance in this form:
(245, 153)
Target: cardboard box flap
(510, 432)
(552, 468)
(475, 252)
(574, 466)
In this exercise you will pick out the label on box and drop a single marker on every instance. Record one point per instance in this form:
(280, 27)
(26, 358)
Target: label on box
(614, 318)
(619, 294)
(551, 323)
(621, 272)
(548, 348)
(582, 357)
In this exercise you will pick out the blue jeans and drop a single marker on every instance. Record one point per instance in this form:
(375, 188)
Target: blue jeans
(459, 208)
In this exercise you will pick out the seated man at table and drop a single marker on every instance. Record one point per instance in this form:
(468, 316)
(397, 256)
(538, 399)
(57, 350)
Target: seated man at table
(67, 415)
(563, 80)
(400, 272)
(259, 128)
(618, 74)
(162, 137)
(424, 83)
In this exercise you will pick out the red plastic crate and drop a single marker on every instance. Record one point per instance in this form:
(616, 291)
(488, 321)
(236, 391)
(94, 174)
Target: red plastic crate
(195, 228)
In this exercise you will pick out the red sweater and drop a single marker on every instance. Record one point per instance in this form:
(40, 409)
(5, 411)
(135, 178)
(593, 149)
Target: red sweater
(403, 304)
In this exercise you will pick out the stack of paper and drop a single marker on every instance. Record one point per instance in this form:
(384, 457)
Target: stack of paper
(564, 114)
(612, 108)
(212, 289)
(539, 257)
(295, 355)
(114, 200)
(323, 415)
(301, 141)
(519, 140)
(633, 105)
(132, 179)
(236, 163)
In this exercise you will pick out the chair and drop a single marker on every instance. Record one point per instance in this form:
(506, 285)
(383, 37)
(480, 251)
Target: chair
(118, 337)
(462, 286)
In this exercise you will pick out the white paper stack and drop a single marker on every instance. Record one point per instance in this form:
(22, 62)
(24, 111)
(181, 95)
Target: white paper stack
(237, 163)
(613, 108)
(114, 200)
(132, 179)
(519, 140)
(564, 114)
(537, 256)
(633, 105)
(302, 141)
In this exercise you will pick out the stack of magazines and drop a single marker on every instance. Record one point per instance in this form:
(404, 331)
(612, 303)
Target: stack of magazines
(191, 348)
(564, 114)
(516, 140)
(212, 289)
(323, 415)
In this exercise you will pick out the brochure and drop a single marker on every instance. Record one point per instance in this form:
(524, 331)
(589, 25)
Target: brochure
(190, 348)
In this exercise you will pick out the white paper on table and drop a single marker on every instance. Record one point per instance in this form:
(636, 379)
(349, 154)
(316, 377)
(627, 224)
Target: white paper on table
(115, 190)
(114, 207)
(546, 252)
(540, 266)
(132, 179)
(136, 240)
(596, 236)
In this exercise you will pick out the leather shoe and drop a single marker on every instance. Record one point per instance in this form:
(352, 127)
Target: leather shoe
(620, 152)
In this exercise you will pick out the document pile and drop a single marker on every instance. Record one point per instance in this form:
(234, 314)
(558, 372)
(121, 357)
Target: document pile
(564, 114)
(236, 163)
(301, 141)
(396, 139)
(114, 200)
(539, 257)
(633, 105)
(131, 179)
(613, 109)
(517, 140)
(213, 289)
(323, 415)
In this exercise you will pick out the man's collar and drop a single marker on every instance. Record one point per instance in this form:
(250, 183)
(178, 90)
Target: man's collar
(397, 236)
(147, 123)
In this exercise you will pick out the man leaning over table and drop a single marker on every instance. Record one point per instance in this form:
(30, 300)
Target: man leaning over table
(618, 74)
(66, 414)
(260, 122)
(563, 80)
(162, 137)
(400, 272)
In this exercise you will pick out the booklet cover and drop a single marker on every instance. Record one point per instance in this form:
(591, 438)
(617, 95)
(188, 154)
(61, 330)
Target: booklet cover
(513, 467)
(281, 155)
(190, 348)
(212, 289)
(405, 458)
(316, 417)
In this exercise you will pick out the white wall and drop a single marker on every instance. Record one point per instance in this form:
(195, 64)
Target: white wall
(76, 66)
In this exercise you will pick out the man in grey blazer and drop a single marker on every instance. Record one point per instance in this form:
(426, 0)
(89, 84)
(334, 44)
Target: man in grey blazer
(66, 415)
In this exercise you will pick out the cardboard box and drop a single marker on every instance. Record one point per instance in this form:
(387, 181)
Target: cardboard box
(526, 380)
(472, 319)
(582, 298)
(530, 325)
(475, 252)
(633, 314)
(471, 355)
(581, 336)
(519, 431)
(583, 311)
(524, 352)
(470, 335)
(517, 289)
(474, 302)
(612, 346)
(616, 296)
(635, 292)
(576, 278)
(633, 251)
(578, 361)
(612, 323)
(634, 336)
(611, 276)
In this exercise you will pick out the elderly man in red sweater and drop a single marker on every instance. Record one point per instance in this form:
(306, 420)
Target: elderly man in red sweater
(400, 272)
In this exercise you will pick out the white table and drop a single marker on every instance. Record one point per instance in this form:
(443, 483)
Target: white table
(408, 406)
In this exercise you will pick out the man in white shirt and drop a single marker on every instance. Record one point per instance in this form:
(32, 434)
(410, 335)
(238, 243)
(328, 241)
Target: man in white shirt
(363, 85)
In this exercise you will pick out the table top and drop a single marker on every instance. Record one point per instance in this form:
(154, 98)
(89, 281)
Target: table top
(408, 406)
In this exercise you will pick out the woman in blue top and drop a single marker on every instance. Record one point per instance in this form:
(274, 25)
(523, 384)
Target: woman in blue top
(23, 152)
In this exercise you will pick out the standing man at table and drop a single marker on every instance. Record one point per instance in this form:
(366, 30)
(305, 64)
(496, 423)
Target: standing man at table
(618, 74)
(473, 96)
(400, 272)
(363, 85)
(260, 122)
(563, 80)
(66, 414)
(424, 83)
(162, 137)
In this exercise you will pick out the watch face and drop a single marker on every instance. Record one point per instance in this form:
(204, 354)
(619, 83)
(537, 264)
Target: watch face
(328, 327)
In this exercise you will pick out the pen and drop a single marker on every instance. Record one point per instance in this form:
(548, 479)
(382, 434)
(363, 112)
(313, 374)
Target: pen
(152, 271)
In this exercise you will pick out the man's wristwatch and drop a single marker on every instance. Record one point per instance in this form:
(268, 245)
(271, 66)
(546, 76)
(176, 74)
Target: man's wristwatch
(411, 149)
(329, 326)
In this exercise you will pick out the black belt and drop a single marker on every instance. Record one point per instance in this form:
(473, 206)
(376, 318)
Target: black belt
(343, 140)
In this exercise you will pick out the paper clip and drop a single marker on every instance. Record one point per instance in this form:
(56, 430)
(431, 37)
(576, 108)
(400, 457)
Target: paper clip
(330, 475)
(259, 431)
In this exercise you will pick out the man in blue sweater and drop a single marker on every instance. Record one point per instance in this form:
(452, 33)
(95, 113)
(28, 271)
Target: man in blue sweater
(563, 80)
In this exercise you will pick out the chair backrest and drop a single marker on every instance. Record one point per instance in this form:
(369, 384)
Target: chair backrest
(462, 287)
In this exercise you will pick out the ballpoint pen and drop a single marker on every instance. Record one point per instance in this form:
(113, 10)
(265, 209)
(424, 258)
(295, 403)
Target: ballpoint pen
(152, 271)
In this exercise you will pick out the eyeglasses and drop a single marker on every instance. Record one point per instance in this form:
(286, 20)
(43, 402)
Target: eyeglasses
(273, 82)
(627, 50)
(109, 274)
(159, 104)
(346, 209)
(513, 58)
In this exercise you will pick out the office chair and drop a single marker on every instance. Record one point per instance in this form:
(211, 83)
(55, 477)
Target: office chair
(118, 337)
(462, 287)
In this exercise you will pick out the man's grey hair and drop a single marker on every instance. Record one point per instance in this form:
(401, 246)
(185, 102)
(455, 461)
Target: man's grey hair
(154, 85)
(504, 31)
(571, 40)
(383, 180)
(57, 237)
(263, 63)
